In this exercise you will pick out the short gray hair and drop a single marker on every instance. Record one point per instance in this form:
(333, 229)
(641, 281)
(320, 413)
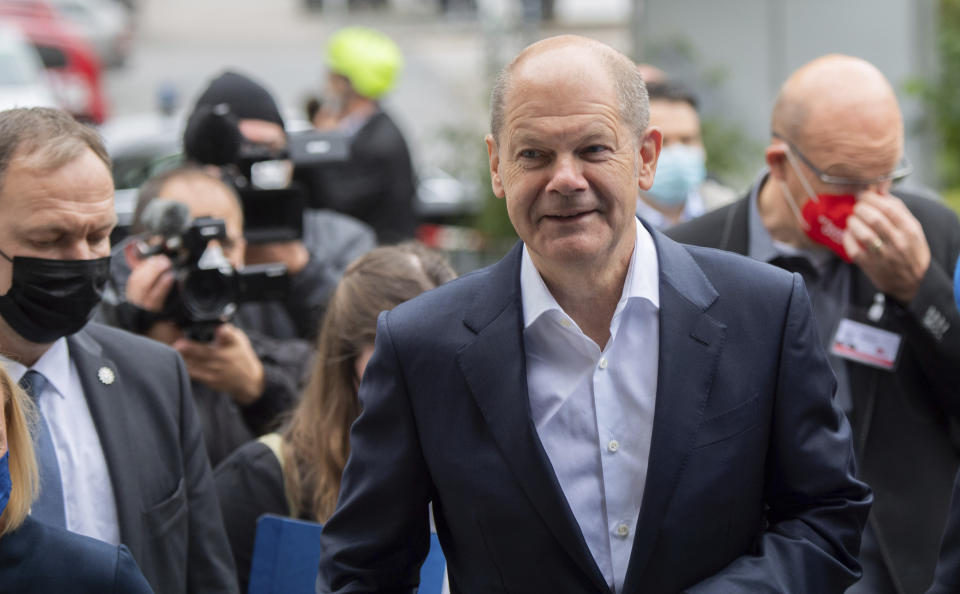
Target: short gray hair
(634, 104)
(150, 190)
(50, 137)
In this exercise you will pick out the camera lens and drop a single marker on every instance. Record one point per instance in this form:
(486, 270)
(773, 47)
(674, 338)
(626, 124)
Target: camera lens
(208, 295)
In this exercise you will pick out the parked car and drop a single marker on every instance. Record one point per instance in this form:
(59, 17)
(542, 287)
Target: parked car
(72, 68)
(105, 24)
(23, 82)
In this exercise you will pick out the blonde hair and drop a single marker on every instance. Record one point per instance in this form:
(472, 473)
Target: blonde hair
(19, 414)
(317, 440)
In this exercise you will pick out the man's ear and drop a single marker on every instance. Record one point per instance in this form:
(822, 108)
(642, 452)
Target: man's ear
(776, 157)
(493, 154)
(650, 146)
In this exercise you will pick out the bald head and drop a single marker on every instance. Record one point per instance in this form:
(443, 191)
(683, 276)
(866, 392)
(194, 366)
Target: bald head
(840, 103)
(566, 58)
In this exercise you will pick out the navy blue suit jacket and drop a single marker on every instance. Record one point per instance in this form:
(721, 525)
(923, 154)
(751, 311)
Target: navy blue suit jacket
(40, 559)
(750, 485)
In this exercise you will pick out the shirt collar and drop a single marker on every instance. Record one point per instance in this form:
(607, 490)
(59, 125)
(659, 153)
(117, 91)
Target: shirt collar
(642, 282)
(761, 245)
(54, 364)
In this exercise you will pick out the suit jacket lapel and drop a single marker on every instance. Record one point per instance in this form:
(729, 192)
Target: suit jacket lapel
(104, 389)
(495, 370)
(690, 345)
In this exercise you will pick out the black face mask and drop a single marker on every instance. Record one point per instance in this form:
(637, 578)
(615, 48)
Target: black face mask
(49, 299)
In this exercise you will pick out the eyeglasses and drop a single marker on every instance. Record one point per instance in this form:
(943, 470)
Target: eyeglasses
(902, 170)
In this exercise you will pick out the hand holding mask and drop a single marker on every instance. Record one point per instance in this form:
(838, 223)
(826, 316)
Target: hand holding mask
(887, 242)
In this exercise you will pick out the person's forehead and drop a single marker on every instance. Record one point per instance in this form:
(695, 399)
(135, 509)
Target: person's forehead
(29, 177)
(569, 92)
(204, 197)
(864, 142)
(261, 131)
(674, 114)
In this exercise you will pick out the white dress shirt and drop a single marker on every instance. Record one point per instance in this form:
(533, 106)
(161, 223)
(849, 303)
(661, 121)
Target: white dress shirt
(89, 502)
(593, 409)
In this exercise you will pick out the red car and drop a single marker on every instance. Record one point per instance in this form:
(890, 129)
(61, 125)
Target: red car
(71, 64)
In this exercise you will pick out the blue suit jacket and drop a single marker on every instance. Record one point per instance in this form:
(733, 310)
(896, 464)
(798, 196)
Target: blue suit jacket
(40, 559)
(750, 485)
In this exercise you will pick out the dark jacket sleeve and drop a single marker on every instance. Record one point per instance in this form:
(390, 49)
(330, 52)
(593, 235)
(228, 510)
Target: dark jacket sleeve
(947, 579)
(310, 291)
(376, 184)
(931, 319)
(382, 510)
(285, 363)
(250, 484)
(816, 508)
(210, 566)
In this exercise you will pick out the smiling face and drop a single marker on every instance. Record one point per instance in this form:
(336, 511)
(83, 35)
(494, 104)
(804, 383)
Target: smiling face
(567, 164)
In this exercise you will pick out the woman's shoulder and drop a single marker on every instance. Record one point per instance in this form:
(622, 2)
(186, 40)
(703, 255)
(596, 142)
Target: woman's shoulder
(253, 468)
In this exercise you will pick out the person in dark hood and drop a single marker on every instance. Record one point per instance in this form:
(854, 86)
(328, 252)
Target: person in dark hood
(235, 123)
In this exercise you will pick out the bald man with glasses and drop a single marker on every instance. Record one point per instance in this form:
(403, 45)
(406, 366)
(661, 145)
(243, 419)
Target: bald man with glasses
(878, 264)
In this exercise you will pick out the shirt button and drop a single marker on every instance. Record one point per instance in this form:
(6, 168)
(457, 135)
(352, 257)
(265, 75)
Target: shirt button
(614, 445)
(623, 530)
(565, 323)
(603, 362)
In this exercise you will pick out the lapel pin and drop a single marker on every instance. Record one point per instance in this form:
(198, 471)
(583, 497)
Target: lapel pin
(106, 375)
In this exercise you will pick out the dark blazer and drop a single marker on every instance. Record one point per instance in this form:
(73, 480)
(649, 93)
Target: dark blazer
(750, 483)
(902, 422)
(40, 559)
(375, 185)
(947, 577)
(166, 500)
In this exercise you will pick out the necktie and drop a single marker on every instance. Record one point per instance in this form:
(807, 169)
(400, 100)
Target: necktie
(48, 508)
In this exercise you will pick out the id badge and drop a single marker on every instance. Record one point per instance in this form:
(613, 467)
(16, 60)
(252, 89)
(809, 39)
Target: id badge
(860, 338)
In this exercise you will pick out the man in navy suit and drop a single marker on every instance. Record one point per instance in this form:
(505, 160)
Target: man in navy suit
(604, 410)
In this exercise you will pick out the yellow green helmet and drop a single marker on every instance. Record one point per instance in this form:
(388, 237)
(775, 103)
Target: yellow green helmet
(369, 59)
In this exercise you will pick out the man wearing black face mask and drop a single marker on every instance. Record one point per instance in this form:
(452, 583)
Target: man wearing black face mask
(877, 264)
(120, 450)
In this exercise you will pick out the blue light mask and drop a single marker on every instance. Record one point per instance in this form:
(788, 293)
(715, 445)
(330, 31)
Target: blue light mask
(5, 484)
(680, 170)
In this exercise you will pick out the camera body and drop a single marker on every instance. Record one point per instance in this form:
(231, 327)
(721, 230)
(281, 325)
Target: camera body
(207, 289)
(273, 201)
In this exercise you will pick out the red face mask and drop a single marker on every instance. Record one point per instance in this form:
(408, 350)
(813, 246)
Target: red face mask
(826, 218)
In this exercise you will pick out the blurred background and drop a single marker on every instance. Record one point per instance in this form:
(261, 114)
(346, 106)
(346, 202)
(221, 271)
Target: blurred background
(134, 68)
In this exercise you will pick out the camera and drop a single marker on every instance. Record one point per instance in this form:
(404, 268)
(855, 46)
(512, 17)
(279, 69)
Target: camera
(207, 289)
(273, 202)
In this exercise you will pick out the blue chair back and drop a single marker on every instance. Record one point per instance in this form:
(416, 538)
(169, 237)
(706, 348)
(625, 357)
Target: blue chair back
(286, 554)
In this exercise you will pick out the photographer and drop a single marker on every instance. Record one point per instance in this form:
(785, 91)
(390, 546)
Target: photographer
(236, 131)
(241, 379)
